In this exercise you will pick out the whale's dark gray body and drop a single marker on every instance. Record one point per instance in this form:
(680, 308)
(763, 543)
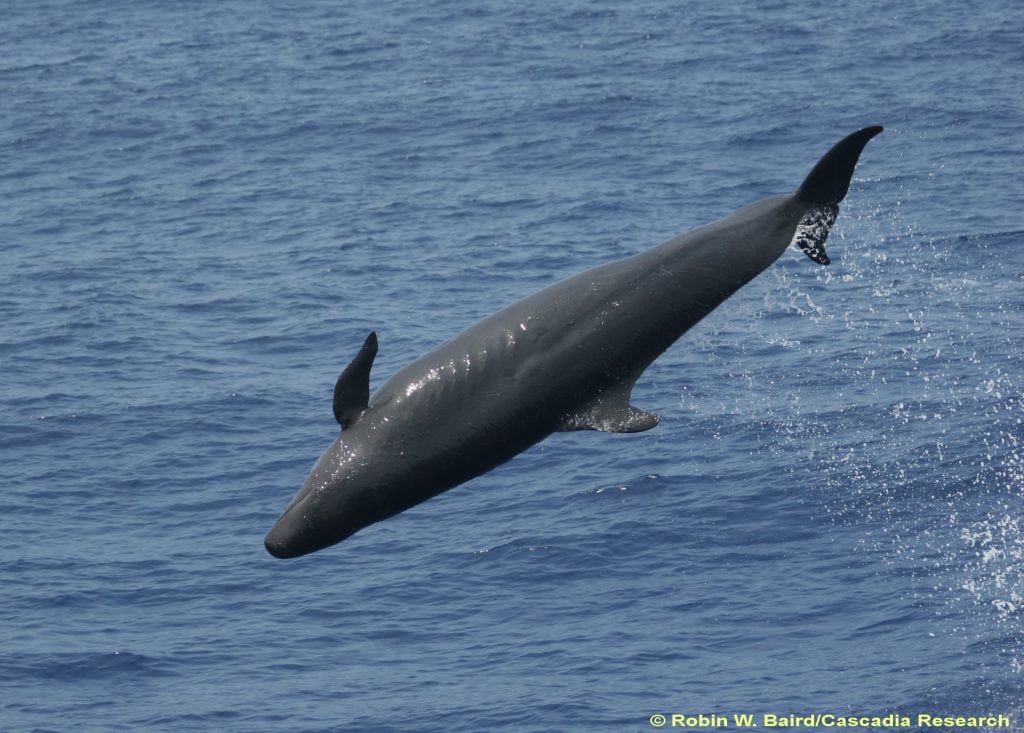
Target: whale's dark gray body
(564, 358)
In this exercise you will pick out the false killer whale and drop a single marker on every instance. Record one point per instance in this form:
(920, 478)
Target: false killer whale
(564, 358)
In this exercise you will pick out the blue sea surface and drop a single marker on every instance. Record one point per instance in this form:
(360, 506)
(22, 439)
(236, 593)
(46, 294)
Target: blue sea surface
(207, 206)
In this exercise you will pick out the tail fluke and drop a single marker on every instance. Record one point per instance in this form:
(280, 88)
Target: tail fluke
(825, 186)
(829, 180)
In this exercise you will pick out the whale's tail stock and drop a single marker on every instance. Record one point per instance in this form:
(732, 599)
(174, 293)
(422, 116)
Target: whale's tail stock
(825, 186)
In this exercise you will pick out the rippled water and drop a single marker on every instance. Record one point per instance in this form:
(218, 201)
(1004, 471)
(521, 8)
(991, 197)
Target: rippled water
(208, 206)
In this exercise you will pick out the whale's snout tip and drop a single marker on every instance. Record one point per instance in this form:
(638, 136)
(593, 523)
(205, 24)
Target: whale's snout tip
(278, 546)
(286, 540)
(274, 548)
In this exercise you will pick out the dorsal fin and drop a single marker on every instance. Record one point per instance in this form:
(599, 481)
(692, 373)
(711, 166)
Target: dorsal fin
(829, 180)
(352, 390)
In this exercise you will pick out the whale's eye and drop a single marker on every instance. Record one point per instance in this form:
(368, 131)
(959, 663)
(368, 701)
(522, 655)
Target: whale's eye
(812, 231)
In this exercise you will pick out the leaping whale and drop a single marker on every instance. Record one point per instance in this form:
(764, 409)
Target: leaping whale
(564, 358)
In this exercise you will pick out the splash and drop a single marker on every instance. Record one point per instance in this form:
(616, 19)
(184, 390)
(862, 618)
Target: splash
(905, 406)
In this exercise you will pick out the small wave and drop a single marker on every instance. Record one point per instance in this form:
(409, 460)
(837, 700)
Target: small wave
(75, 667)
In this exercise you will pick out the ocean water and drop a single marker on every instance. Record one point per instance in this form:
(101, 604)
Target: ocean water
(206, 207)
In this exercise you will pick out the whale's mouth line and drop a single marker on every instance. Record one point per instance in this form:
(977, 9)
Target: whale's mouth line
(280, 551)
(812, 231)
(297, 532)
